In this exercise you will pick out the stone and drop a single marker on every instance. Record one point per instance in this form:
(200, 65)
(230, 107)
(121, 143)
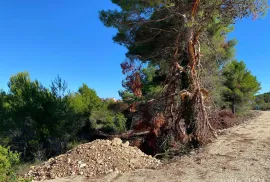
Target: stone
(116, 141)
(80, 173)
(126, 144)
(83, 165)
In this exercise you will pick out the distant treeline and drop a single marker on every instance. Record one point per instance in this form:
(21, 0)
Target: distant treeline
(262, 101)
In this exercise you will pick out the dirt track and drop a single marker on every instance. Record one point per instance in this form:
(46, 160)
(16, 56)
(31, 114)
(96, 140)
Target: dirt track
(241, 154)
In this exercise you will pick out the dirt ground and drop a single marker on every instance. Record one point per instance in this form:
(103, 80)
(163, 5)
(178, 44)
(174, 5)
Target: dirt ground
(240, 154)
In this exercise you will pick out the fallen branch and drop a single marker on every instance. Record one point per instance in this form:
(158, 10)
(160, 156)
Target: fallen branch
(126, 135)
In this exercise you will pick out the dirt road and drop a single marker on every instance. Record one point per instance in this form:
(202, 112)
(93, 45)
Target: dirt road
(241, 154)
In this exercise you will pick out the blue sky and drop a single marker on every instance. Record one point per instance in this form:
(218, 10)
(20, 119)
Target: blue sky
(65, 37)
(253, 48)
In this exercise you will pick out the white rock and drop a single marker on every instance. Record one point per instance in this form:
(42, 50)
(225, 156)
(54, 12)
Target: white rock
(116, 141)
(80, 173)
(83, 165)
(126, 144)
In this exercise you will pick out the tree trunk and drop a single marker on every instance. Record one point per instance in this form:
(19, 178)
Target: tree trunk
(233, 107)
(192, 109)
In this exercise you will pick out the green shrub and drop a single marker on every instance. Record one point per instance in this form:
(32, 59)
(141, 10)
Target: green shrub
(108, 121)
(8, 160)
(265, 107)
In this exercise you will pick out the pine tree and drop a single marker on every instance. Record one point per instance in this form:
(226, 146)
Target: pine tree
(170, 34)
(240, 85)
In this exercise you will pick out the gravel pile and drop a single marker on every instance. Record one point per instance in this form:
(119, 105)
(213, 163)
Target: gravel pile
(94, 159)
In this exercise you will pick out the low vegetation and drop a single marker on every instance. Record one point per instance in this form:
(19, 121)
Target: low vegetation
(262, 102)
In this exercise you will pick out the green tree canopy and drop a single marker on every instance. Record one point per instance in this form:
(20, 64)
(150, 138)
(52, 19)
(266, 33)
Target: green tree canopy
(34, 118)
(240, 85)
(39, 122)
(85, 100)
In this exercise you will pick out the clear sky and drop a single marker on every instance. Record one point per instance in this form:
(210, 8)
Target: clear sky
(65, 37)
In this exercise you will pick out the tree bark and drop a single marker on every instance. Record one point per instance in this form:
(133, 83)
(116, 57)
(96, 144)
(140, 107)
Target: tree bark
(233, 107)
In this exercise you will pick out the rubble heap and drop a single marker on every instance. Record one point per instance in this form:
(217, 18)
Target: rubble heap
(94, 159)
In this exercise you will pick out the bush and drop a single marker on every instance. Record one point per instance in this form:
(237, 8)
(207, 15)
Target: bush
(107, 121)
(8, 160)
(265, 107)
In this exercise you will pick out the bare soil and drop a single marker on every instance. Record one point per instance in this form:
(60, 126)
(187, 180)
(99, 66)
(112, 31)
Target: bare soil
(240, 154)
